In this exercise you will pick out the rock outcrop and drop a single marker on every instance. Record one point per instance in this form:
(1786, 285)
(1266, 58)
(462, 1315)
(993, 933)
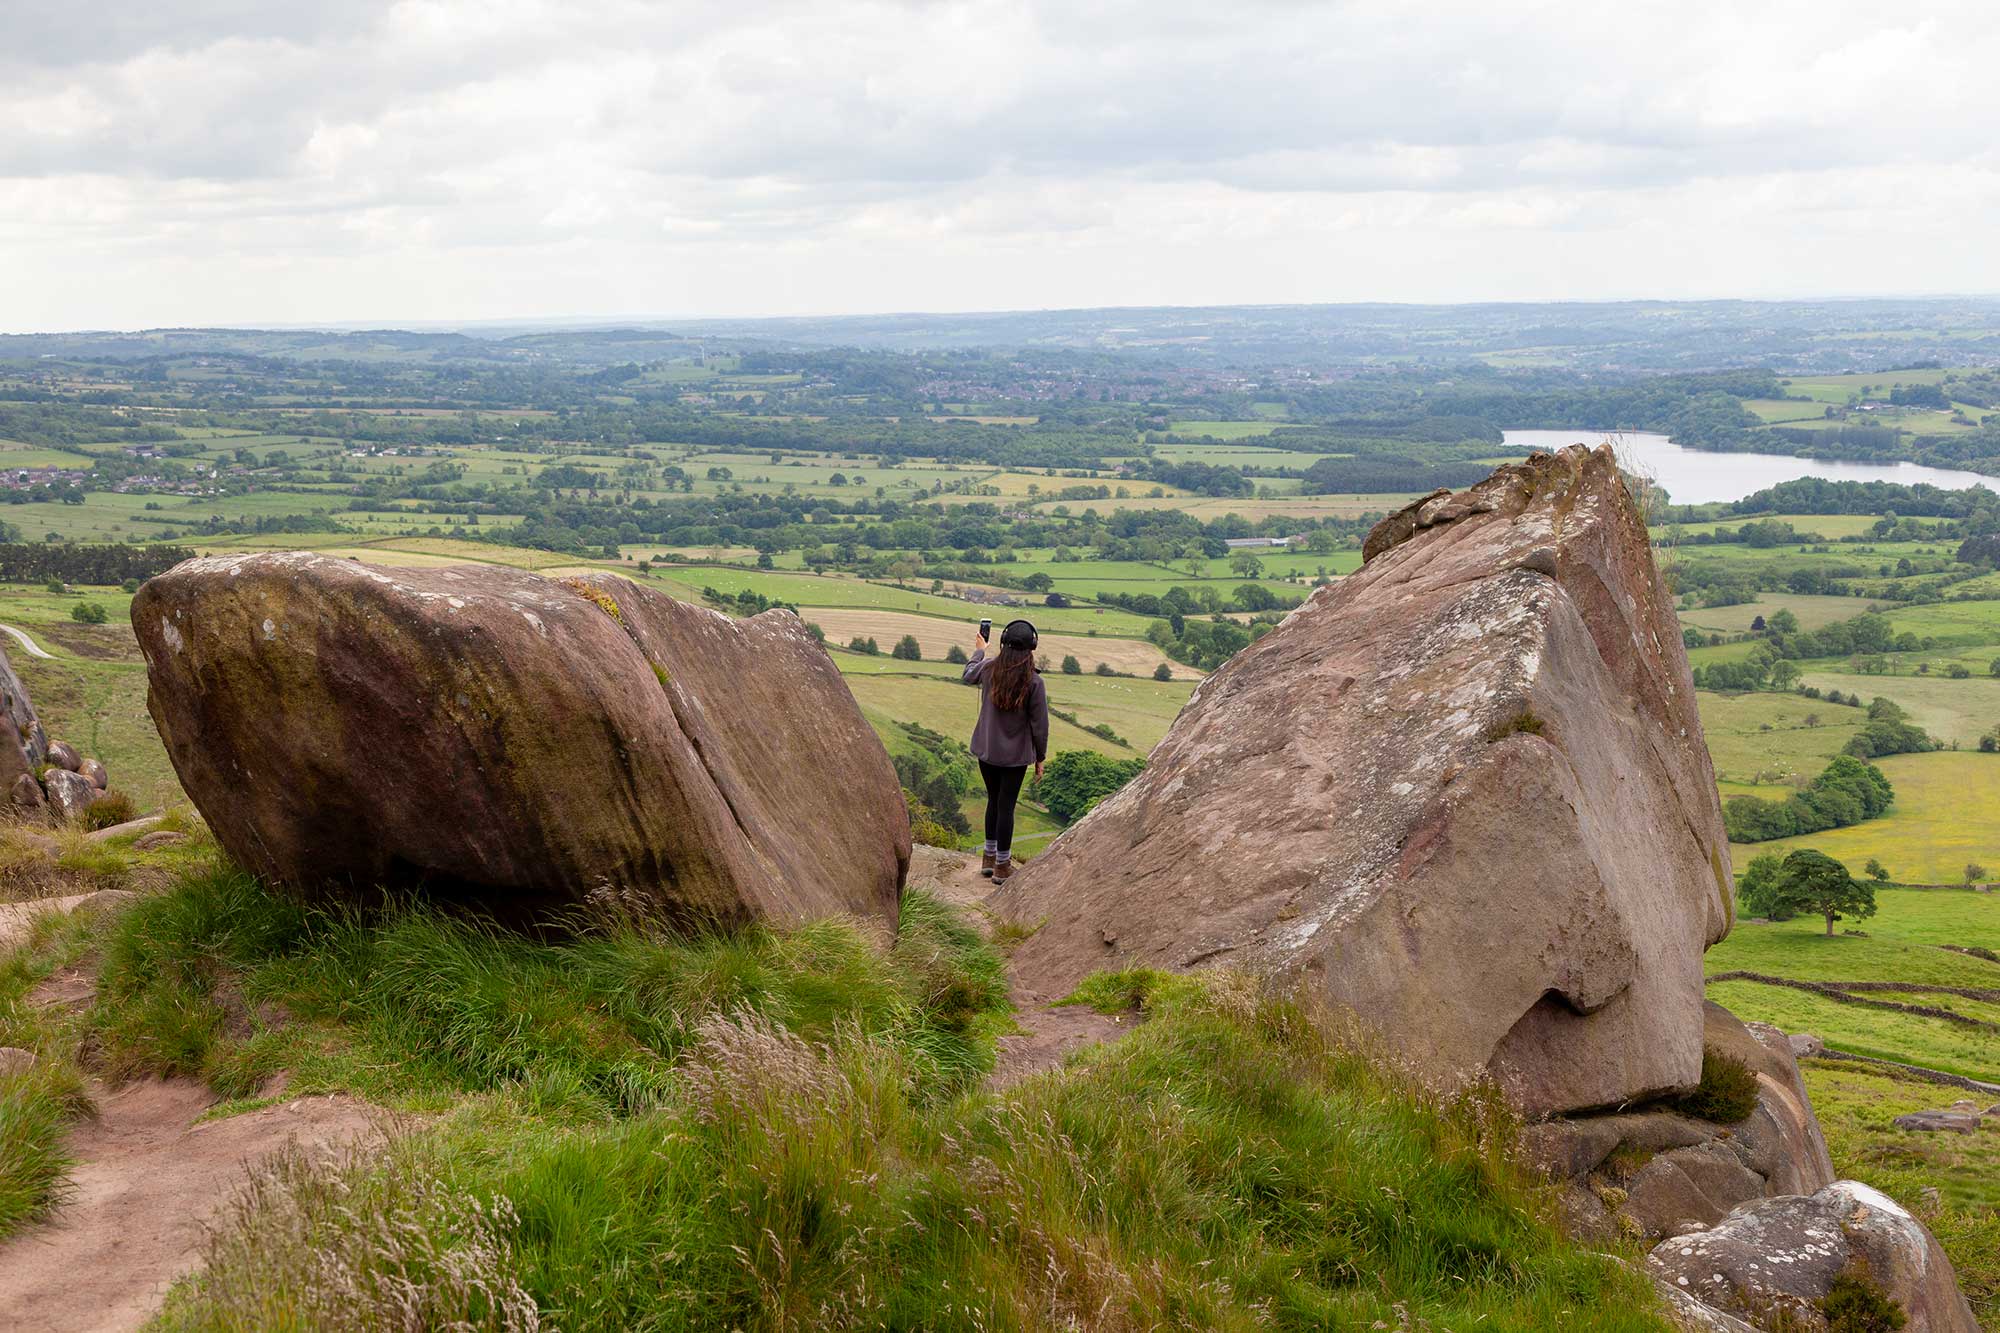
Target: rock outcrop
(517, 741)
(1772, 1263)
(1656, 1172)
(1462, 793)
(35, 772)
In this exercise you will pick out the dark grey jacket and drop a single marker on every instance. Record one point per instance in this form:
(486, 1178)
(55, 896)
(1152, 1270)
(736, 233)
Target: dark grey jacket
(1012, 739)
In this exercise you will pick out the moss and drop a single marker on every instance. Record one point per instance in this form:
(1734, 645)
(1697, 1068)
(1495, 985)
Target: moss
(1727, 1092)
(1855, 1304)
(604, 600)
(1626, 1160)
(1523, 723)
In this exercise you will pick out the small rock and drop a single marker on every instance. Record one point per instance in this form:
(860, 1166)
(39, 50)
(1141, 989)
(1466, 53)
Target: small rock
(99, 776)
(64, 756)
(157, 839)
(26, 794)
(1805, 1045)
(1938, 1121)
(69, 793)
(14, 1060)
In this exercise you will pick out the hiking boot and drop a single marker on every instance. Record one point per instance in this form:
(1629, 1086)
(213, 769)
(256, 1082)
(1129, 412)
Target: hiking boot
(986, 864)
(1001, 870)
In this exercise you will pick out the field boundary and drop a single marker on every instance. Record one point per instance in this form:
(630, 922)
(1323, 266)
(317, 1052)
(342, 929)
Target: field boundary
(1831, 991)
(1937, 1076)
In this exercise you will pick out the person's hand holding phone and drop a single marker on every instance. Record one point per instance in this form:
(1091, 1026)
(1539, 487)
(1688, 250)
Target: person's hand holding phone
(980, 635)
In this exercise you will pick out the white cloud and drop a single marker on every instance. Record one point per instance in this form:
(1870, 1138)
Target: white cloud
(226, 161)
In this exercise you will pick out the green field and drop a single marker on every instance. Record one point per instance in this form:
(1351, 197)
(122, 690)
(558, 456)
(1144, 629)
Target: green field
(1812, 611)
(1951, 710)
(1897, 944)
(1946, 816)
(1774, 735)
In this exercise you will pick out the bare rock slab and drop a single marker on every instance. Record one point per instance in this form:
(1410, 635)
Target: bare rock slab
(1462, 793)
(518, 741)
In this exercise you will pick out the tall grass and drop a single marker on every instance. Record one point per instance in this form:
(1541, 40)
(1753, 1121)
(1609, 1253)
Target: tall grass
(223, 980)
(37, 1104)
(1229, 1165)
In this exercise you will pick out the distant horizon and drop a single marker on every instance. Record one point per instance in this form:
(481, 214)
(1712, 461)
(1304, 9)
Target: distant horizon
(663, 322)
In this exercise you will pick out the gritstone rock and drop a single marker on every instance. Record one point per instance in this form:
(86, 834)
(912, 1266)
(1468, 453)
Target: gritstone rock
(1462, 793)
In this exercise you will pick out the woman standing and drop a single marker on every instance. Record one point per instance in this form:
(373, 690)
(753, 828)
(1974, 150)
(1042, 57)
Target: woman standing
(1013, 731)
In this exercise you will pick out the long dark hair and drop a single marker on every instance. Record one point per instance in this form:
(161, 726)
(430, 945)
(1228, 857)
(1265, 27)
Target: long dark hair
(1012, 675)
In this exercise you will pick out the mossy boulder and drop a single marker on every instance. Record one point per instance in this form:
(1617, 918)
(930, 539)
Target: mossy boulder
(488, 734)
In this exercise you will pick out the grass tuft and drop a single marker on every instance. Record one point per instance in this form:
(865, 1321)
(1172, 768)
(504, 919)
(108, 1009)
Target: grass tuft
(1727, 1093)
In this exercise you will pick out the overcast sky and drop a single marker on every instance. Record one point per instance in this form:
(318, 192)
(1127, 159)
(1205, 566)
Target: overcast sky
(176, 162)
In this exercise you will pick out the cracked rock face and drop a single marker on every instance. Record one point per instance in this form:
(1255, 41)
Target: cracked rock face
(516, 741)
(1462, 793)
(1772, 1261)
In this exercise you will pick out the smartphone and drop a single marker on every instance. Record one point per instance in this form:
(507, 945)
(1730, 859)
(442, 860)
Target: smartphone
(986, 630)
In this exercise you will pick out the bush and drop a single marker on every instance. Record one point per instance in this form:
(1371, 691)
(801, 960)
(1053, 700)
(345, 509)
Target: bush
(1104, 669)
(907, 649)
(1074, 781)
(1071, 667)
(956, 655)
(114, 807)
(1163, 672)
(1727, 1093)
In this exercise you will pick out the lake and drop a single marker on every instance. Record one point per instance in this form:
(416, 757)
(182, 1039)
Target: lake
(1696, 476)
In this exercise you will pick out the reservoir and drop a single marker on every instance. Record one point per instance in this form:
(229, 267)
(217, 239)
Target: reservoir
(1696, 476)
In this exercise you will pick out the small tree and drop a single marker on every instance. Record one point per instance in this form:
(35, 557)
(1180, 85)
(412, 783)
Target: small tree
(1975, 873)
(1104, 669)
(88, 613)
(1163, 672)
(1814, 882)
(1877, 871)
(907, 649)
(1070, 666)
(1246, 565)
(955, 655)
(1757, 891)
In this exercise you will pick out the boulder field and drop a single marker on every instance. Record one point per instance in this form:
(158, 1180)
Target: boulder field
(518, 742)
(1462, 793)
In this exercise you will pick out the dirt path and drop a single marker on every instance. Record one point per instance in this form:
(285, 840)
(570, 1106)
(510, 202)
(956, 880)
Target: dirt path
(1049, 1035)
(21, 635)
(147, 1180)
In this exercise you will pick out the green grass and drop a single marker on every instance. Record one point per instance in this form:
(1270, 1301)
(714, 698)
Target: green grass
(1951, 710)
(222, 980)
(1899, 944)
(1812, 611)
(1767, 734)
(1947, 813)
(1227, 1166)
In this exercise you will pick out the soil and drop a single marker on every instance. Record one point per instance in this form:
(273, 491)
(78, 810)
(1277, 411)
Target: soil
(1049, 1034)
(147, 1182)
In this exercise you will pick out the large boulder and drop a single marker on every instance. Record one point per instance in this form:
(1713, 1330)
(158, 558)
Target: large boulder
(1462, 793)
(23, 746)
(1771, 1263)
(518, 741)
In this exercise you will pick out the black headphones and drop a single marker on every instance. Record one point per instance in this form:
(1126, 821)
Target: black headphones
(1020, 634)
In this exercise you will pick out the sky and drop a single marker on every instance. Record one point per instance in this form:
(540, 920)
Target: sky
(204, 162)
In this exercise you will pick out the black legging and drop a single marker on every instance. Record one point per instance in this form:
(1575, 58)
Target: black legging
(1003, 788)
